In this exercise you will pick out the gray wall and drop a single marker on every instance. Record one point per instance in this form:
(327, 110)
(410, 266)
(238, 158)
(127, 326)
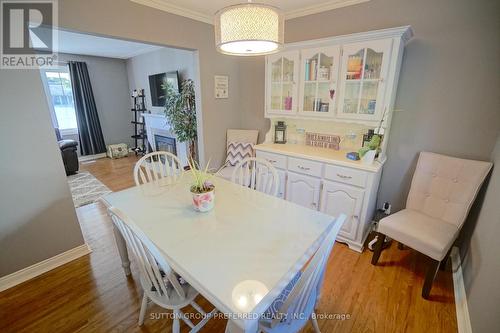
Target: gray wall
(128, 20)
(37, 216)
(252, 96)
(165, 60)
(481, 266)
(111, 93)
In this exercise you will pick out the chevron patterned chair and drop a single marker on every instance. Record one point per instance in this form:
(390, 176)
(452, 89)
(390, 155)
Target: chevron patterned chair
(237, 136)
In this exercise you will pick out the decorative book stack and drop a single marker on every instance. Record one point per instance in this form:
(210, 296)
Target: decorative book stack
(329, 141)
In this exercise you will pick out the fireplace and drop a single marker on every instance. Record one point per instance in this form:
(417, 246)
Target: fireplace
(165, 143)
(160, 137)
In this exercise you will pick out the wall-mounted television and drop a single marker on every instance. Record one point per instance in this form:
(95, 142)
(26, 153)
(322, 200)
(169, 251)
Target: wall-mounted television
(155, 86)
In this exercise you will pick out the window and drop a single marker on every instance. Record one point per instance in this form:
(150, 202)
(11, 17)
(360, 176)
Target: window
(60, 95)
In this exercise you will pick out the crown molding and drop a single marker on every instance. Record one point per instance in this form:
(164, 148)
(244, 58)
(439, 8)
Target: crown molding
(177, 10)
(198, 16)
(405, 33)
(322, 7)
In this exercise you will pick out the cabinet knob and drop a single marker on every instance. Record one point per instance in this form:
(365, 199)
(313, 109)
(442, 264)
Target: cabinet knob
(303, 168)
(356, 217)
(344, 176)
(313, 204)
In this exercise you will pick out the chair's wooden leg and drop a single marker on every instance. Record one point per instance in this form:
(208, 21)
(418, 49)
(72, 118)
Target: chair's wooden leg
(442, 265)
(143, 309)
(401, 246)
(315, 323)
(379, 245)
(429, 278)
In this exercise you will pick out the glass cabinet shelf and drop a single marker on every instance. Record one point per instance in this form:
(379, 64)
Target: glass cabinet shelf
(364, 66)
(282, 91)
(319, 84)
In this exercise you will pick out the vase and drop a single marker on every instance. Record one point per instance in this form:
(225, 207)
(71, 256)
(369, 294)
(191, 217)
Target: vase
(369, 157)
(204, 202)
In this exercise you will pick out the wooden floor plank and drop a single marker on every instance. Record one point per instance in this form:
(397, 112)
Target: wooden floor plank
(92, 294)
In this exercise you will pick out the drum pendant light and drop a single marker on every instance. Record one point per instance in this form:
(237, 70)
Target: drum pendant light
(249, 29)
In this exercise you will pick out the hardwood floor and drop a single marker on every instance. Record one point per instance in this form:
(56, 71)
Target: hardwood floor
(115, 174)
(92, 294)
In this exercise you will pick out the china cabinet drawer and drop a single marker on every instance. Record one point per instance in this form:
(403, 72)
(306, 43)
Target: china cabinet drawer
(346, 175)
(278, 161)
(305, 167)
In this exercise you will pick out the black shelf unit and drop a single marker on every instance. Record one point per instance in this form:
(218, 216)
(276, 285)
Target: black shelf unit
(140, 136)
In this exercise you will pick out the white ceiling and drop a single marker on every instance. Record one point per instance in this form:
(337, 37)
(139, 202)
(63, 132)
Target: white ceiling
(204, 10)
(71, 42)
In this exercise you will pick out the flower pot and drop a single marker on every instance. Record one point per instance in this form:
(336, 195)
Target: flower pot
(369, 157)
(204, 202)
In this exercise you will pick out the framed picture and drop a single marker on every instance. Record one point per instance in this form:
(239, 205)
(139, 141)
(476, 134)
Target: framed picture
(221, 86)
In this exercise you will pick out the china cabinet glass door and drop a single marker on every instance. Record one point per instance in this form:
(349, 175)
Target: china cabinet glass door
(318, 84)
(282, 75)
(364, 67)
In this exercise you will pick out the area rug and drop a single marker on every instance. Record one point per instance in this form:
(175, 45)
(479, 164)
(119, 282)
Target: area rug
(86, 189)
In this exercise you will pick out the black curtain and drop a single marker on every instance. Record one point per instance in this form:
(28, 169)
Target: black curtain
(89, 127)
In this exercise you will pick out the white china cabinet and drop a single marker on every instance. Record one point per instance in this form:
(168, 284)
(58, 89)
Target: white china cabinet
(345, 79)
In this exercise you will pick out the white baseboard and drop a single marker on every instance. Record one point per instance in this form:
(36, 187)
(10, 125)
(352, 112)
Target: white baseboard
(91, 157)
(32, 271)
(463, 319)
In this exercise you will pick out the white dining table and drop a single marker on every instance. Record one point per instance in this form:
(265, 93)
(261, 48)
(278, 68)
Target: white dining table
(239, 256)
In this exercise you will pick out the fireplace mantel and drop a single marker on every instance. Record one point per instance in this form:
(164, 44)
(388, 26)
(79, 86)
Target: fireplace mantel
(157, 124)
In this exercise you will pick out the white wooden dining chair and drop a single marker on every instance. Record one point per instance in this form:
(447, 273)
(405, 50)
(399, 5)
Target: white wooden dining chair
(296, 304)
(159, 282)
(258, 174)
(156, 166)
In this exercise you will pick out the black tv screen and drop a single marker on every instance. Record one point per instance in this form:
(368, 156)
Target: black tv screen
(155, 85)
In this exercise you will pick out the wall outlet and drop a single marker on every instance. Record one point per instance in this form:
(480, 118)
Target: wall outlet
(387, 208)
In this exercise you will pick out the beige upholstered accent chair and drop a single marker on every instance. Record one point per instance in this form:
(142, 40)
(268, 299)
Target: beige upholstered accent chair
(441, 194)
(237, 135)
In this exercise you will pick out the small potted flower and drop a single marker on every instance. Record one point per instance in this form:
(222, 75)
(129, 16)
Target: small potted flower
(202, 189)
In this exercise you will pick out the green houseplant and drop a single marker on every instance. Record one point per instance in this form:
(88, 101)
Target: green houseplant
(368, 153)
(180, 110)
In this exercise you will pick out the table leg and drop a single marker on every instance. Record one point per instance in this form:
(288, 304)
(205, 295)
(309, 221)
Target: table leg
(122, 249)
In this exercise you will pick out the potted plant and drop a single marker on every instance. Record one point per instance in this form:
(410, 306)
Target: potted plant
(368, 153)
(202, 189)
(180, 110)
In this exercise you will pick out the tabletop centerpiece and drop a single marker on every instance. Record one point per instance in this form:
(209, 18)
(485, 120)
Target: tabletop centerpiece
(202, 189)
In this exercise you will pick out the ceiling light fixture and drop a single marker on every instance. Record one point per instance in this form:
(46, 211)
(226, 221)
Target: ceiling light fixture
(249, 29)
